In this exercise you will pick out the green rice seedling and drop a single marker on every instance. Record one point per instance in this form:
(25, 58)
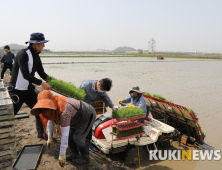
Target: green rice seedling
(169, 101)
(100, 110)
(146, 93)
(128, 132)
(66, 88)
(97, 104)
(128, 113)
(191, 110)
(195, 115)
(159, 97)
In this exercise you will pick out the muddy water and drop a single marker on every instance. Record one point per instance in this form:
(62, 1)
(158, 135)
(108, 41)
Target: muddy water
(195, 84)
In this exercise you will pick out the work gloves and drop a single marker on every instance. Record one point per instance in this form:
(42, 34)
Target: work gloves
(62, 160)
(113, 108)
(120, 100)
(131, 106)
(49, 142)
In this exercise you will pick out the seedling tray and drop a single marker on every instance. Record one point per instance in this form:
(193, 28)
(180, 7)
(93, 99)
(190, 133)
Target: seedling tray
(128, 125)
(130, 118)
(29, 157)
(130, 136)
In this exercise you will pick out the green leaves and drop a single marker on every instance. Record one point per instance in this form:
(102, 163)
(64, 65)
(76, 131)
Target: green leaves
(146, 93)
(159, 97)
(127, 132)
(66, 88)
(128, 113)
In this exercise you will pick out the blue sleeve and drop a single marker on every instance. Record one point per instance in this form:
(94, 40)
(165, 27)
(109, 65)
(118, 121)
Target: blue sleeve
(127, 100)
(3, 58)
(107, 100)
(13, 56)
(79, 86)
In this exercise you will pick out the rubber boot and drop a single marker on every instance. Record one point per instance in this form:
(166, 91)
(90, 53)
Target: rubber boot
(72, 156)
(39, 129)
(85, 155)
(85, 151)
(80, 161)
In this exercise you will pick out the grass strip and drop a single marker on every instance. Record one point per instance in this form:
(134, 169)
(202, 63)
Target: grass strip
(66, 88)
(127, 132)
(128, 113)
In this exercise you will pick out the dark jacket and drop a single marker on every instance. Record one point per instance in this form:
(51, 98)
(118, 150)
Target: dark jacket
(8, 57)
(27, 62)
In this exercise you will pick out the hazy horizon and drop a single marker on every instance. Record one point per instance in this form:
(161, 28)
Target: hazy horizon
(90, 25)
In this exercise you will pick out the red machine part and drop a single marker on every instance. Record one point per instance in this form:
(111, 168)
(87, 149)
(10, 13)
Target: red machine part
(98, 132)
(128, 125)
(99, 107)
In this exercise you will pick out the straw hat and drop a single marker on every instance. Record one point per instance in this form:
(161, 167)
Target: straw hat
(45, 101)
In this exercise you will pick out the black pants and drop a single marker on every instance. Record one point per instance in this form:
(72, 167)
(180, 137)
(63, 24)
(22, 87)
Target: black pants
(30, 98)
(5, 67)
(25, 96)
(78, 142)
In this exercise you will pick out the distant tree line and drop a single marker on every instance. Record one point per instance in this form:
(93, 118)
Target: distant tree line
(123, 49)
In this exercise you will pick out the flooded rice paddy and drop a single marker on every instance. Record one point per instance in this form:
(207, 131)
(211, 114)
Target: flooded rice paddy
(195, 84)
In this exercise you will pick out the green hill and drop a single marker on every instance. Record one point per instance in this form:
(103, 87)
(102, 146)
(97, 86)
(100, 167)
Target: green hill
(14, 46)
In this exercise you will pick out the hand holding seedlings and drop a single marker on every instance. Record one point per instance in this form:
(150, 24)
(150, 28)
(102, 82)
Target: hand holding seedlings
(45, 86)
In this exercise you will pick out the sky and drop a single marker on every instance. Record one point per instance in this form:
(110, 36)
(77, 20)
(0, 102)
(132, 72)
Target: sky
(176, 25)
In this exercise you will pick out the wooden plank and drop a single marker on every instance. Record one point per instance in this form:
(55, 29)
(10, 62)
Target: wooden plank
(7, 123)
(7, 146)
(8, 152)
(7, 135)
(5, 141)
(5, 164)
(7, 111)
(6, 104)
(7, 129)
(6, 117)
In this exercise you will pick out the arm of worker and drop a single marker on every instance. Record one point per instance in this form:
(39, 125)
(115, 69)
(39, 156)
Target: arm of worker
(64, 139)
(23, 65)
(3, 58)
(127, 100)
(106, 99)
(50, 125)
(40, 71)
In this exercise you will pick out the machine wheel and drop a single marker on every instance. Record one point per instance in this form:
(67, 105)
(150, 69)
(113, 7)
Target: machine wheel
(132, 155)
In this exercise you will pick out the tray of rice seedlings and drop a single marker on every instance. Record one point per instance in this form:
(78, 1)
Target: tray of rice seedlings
(162, 98)
(127, 133)
(65, 88)
(195, 115)
(100, 111)
(127, 125)
(128, 114)
(147, 93)
(159, 97)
